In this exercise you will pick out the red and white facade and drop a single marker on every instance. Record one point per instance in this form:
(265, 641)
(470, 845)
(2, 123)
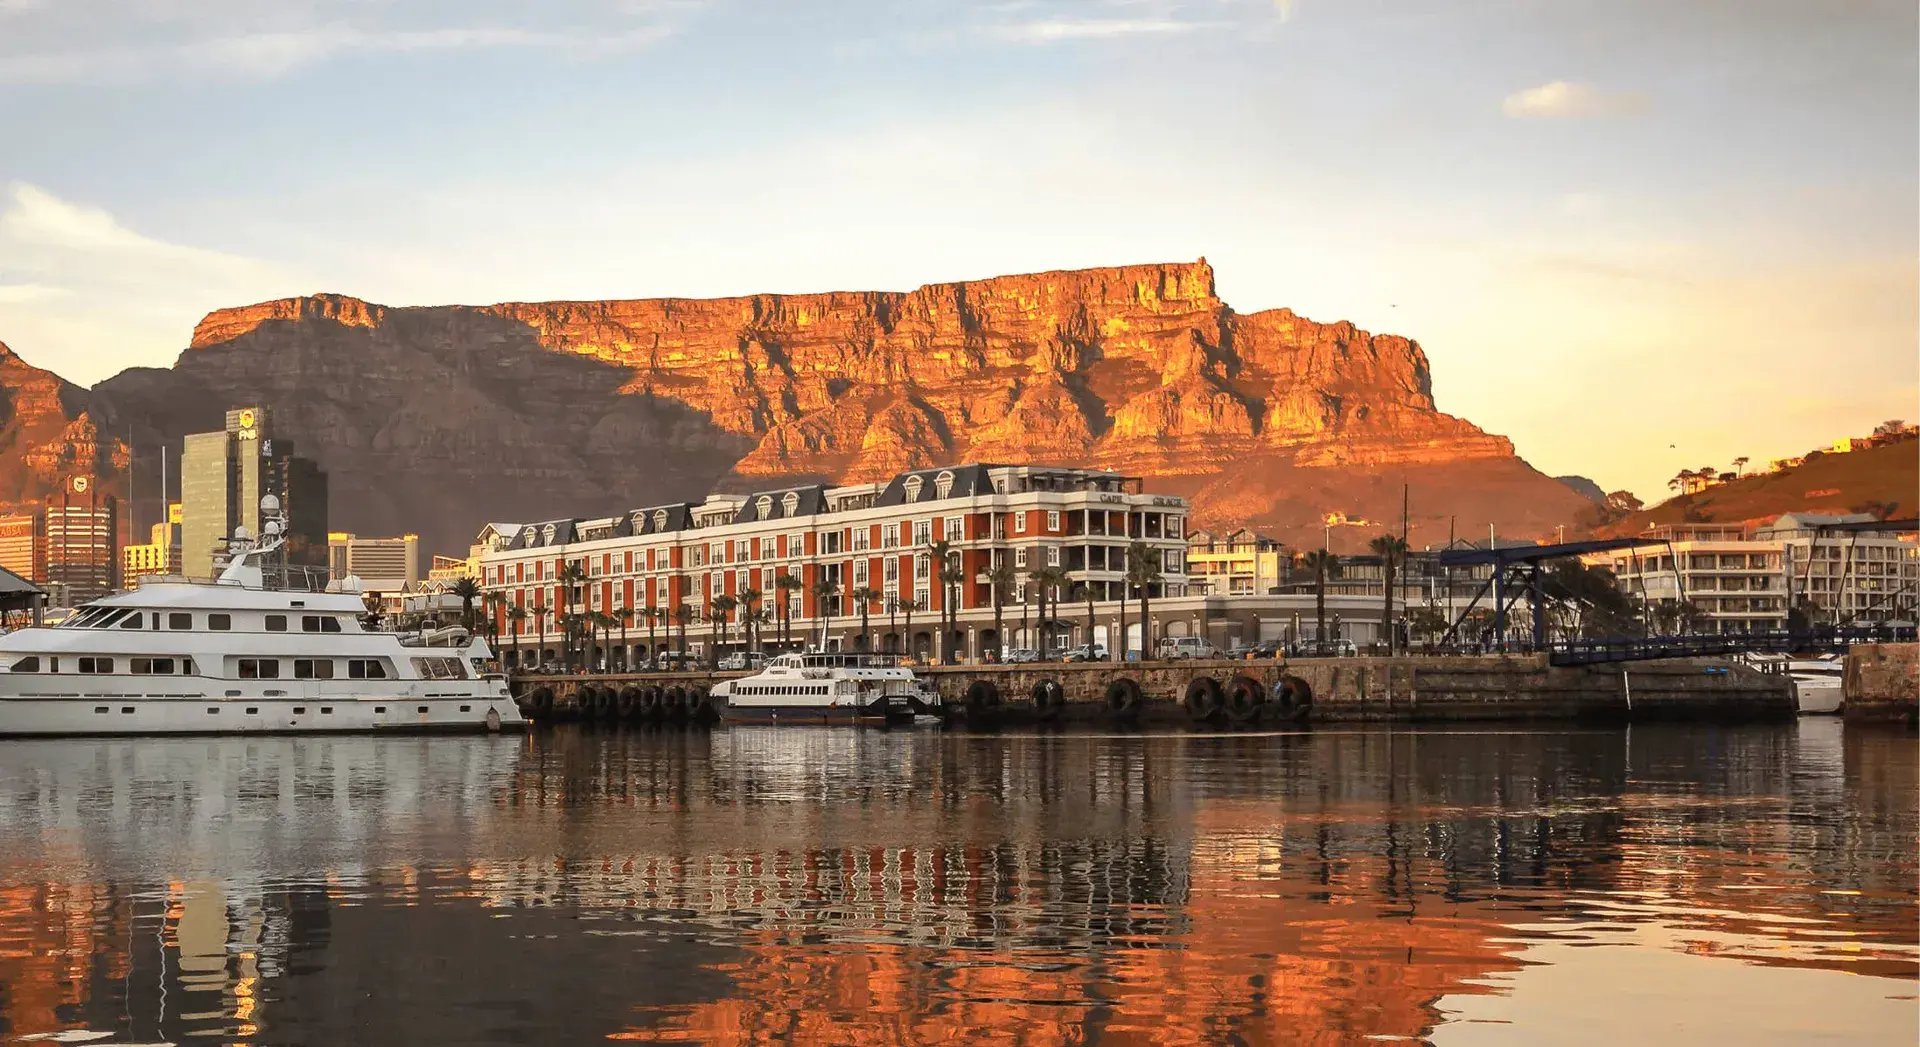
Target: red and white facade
(879, 537)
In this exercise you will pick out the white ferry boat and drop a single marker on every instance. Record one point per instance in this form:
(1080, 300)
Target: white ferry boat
(260, 649)
(822, 688)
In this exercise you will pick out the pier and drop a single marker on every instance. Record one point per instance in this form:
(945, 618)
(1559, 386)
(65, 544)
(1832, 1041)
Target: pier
(1252, 693)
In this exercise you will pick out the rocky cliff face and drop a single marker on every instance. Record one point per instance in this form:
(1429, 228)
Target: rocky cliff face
(437, 419)
(47, 433)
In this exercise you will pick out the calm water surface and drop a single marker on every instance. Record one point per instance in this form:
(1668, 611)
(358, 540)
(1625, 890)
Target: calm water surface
(1682, 884)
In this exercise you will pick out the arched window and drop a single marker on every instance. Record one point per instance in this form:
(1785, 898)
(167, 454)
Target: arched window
(659, 519)
(547, 533)
(763, 507)
(943, 484)
(914, 483)
(790, 504)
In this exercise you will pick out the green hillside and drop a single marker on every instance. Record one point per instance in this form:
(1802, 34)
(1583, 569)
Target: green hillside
(1825, 483)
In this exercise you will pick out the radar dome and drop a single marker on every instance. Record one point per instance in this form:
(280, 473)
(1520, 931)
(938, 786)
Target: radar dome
(241, 534)
(270, 528)
(270, 504)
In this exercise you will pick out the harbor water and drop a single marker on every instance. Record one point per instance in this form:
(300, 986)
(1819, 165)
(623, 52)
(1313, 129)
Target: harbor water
(1666, 884)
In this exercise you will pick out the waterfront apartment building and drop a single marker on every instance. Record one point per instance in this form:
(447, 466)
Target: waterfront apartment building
(1737, 582)
(877, 537)
(381, 564)
(160, 555)
(23, 545)
(223, 476)
(1235, 563)
(1846, 567)
(83, 542)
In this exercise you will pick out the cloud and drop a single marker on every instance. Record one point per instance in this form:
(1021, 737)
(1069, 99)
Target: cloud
(35, 218)
(1566, 100)
(20, 294)
(1053, 30)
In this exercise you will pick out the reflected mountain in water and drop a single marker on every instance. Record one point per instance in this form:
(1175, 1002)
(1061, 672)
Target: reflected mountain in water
(870, 887)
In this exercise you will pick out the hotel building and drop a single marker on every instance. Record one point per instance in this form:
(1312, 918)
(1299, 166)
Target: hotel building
(876, 536)
(1737, 581)
(1851, 575)
(381, 564)
(23, 545)
(1236, 563)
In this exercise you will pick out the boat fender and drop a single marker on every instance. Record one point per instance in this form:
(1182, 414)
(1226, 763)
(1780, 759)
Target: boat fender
(1294, 698)
(1244, 697)
(676, 701)
(1048, 698)
(1123, 697)
(628, 702)
(982, 694)
(1201, 698)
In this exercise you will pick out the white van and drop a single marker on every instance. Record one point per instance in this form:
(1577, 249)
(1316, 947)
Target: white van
(1176, 647)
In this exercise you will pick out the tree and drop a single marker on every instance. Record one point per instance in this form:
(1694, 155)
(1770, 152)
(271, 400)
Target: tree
(1143, 570)
(1391, 549)
(750, 615)
(1590, 599)
(907, 607)
(786, 584)
(516, 619)
(468, 591)
(682, 615)
(719, 612)
(623, 617)
(1740, 465)
(1425, 621)
(1048, 581)
(568, 576)
(825, 592)
(1624, 502)
(540, 632)
(863, 597)
(1000, 578)
(653, 615)
(947, 568)
(1682, 480)
(1084, 591)
(1324, 565)
(1876, 508)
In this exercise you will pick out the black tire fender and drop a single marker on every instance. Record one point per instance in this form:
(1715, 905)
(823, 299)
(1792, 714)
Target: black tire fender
(1123, 697)
(1294, 697)
(1048, 698)
(1244, 697)
(1201, 699)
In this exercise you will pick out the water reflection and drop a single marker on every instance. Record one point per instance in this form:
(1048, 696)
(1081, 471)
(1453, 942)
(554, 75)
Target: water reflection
(907, 887)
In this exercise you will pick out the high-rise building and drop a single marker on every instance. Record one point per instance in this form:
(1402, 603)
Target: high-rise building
(223, 476)
(159, 556)
(1847, 568)
(380, 563)
(23, 545)
(83, 541)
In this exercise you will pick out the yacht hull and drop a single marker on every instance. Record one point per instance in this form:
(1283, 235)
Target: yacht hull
(1818, 697)
(876, 714)
(121, 715)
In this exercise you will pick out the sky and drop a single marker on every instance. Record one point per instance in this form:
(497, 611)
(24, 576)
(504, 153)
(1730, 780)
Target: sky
(1635, 237)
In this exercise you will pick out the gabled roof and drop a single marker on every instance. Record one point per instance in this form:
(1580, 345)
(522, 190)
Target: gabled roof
(774, 505)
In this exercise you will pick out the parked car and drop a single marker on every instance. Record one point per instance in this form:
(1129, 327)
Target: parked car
(1260, 649)
(1174, 648)
(1325, 649)
(741, 661)
(1087, 652)
(1018, 655)
(674, 661)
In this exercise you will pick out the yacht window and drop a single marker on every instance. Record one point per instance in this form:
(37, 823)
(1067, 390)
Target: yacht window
(180, 620)
(186, 666)
(29, 664)
(313, 668)
(276, 623)
(96, 666)
(366, 669)
(136, 620)
(309, 623)
(219, 622)
(153, 667)
(259, 668)
(108, 620)
(329, 625)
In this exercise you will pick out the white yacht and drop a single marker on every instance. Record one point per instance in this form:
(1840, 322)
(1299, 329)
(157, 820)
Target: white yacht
(822, 688)
(1817, 683)
(263, 648)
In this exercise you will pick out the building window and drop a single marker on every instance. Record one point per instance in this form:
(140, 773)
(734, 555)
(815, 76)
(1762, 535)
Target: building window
(923, 532)
(943, 484)
(763, 507)
(891, 571)
(860, 574)
(913, 486)
(790, 503)
(890, 536)
(1053, 519)
(921, 565)
(1173, 561)
(862, 539)
(1020, 522)
(1174, 524)
(956, 528)
(1020, 556)
(923, 598)
(1053, 556)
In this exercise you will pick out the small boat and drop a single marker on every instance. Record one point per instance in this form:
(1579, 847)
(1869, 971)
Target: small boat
(1817, 683)
(822, 688)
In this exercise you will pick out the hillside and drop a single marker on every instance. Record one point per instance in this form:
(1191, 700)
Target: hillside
(1824, 483)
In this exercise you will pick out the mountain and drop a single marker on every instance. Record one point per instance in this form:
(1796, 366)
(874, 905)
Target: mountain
(1884, 480)
(1584, 487)
(47, 433)
(437, 419)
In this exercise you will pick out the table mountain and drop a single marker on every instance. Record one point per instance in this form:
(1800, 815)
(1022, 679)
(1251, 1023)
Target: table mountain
(437, 419)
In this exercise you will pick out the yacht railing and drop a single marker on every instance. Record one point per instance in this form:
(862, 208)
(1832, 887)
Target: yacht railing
(292, 578)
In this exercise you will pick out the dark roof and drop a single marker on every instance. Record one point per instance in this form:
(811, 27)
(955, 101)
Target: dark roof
(808, 501)
(660, 519)
(1854, 526)
(13, 585)
(968, 481)
(536, 535)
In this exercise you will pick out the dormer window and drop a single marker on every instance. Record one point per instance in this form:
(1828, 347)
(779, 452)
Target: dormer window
(763, 507)
(790, 504)
(659, 519)
(547, 533)
(913, 485)
(943, 484)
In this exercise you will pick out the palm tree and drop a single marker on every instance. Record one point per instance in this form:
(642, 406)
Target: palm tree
(1143, 570)
(787, 583)
(863, 597)
(653, 615)
(492, 605)
(950, 576)
(540, 632)
(681, 616)
(1048, 581)
(624, 616)
(1084, 591)
(907, 607)
(1391, 548)
(1323, 564)
(825, 591)
(718, 612)
(1000, 578)
(516, 616)
(569, 575)
(749, 616)
(468, 591)
(760, 619)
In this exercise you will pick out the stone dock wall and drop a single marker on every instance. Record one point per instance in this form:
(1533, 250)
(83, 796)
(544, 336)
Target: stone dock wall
(1882, 683)
(1407, 689)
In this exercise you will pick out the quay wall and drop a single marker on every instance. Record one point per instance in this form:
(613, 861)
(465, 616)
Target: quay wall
(1882, 683)
(1366, 689)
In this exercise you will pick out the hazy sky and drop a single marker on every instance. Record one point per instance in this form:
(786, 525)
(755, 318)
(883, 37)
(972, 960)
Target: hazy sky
(1635, 237)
